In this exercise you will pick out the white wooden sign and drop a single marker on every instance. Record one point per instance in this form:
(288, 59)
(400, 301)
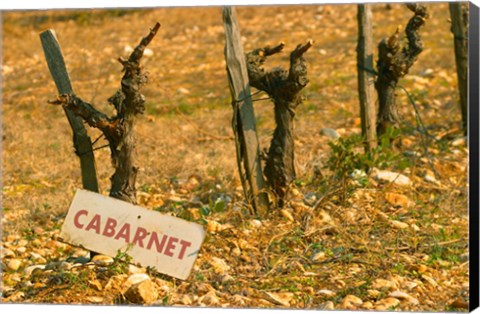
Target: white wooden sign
(106, 225)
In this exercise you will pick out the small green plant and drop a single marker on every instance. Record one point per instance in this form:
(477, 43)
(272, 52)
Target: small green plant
(360, 291)
(399, 268)
(205, 211)
(165, 300)
(383, 156)
(392, 308)
(199, 277)
(121, 261)
(344, 160)
(349, 163)
(185, 108)
(70, 278)
(218, 205)
(28, 234)
(147, 188)
(290, 286)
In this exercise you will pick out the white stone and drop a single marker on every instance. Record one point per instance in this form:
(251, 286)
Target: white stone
(391, 177)
(282, 299)
(219, 265)
(403, 296)
(318, 257)
(102, 260)
(398, 224)
(143, 292)
(132, 269)
(326, 292)
(327, 306)
(148, 52)
(287, 214)
(351, 302)
(329, 132)
(387, 304)
(7, 253)
(14, 264)
(459, 142)
(209, 299)
(380, 284)
(134, 279)
(183, 90)
(35, 256)
(21, 249)
(255, 223)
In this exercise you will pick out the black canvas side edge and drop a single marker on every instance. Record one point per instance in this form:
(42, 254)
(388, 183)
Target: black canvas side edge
(473, 143)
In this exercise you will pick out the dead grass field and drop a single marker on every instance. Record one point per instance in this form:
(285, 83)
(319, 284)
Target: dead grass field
(186, 133)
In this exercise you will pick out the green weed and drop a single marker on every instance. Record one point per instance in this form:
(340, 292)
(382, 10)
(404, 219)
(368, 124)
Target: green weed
(349, 163)
(121, 261)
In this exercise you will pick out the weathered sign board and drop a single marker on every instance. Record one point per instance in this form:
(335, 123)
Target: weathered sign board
(106, 225)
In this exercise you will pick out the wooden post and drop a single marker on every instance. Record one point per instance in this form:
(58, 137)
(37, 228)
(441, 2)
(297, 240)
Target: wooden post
(81, 140)
(366, 79)
(243, 123)
(459, 17)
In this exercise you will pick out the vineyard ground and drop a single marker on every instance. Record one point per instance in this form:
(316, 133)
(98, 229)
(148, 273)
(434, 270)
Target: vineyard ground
(371, 246)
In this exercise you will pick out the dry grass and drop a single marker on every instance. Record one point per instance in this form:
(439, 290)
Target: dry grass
(187, 91)
(188, 54)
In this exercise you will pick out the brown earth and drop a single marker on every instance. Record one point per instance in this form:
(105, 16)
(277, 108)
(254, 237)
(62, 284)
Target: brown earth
(373, 246)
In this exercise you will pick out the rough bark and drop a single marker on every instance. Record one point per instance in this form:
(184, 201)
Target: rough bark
(366, 78)
(459, 17)
(119, 129)
(243, 122)
(283, 87)
(81, 141)
(394, 62)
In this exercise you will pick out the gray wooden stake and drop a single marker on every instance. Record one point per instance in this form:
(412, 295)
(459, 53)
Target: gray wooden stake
(366, 79)
(81, 140)
(244, 125)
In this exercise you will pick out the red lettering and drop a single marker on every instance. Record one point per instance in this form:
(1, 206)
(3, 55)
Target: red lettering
(170, 246)
(184, 245)
(158, 245)
(77, 215)
(124, 233)
(94, 224)
(109, 230)
(140, 234)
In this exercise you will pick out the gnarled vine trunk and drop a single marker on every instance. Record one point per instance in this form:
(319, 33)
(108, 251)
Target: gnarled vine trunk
(283, 87)
(394, 61)
(119, 129)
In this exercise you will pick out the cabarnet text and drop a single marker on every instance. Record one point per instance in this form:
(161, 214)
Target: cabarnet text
(107, 225)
